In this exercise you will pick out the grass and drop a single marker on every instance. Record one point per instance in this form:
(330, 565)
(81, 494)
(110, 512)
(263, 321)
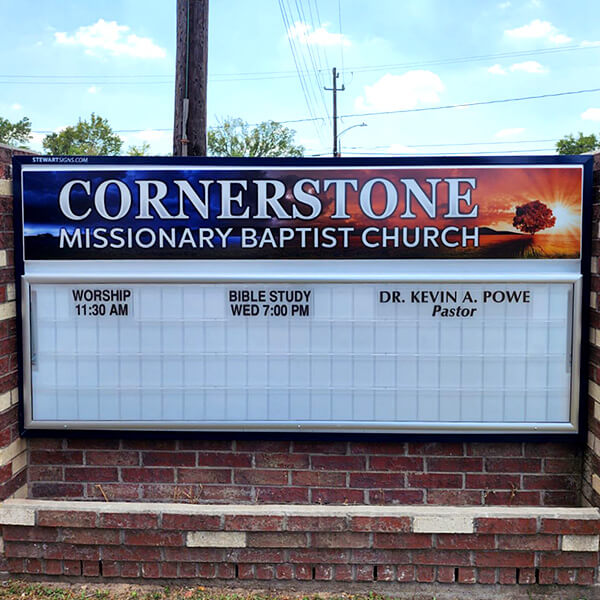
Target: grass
(23, 590)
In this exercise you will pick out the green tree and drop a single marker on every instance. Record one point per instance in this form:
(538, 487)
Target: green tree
(142, 150)
(577, 145)
(234, 137)
(91, 137)
(15, 133)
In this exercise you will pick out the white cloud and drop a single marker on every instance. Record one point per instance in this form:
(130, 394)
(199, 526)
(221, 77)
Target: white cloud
(529, 66)
(400, 149)
(504, 5)
(161, 142)
(108, 37)
(497, 70)
(399, 92)
(587, 43)
(93, 89)
(305, 34)
(35, 140)
(511, 132)
(16, 106)
(538, 29)
(591, 114)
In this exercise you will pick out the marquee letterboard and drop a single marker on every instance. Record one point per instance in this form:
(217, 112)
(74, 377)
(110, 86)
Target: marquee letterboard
(402, 296)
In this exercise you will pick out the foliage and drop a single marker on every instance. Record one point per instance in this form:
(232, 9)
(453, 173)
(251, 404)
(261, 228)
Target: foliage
(15, 133)
(234, 137)
(533, 216)
(142, 150)
(91, 137)
(583, 143)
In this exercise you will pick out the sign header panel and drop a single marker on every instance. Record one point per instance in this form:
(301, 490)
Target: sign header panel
(520, 211)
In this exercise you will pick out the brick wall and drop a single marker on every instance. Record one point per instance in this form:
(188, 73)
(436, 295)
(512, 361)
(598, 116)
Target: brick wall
(299, 544)
(251, 471)
(13, 455)
(591, 464)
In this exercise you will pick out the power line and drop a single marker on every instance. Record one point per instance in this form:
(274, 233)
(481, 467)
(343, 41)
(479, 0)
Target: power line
(448, 106)
(520, 151)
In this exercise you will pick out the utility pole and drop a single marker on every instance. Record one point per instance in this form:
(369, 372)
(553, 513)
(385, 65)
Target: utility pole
(189, 130)
(335, 90)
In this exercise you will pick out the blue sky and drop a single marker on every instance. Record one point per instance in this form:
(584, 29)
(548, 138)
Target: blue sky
(63, 59)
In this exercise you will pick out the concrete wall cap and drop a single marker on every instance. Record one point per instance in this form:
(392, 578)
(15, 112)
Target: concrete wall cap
(216, 539)
(580, 543)
(471, 512)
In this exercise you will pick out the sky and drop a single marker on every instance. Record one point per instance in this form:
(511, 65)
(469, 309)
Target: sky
(399, 62)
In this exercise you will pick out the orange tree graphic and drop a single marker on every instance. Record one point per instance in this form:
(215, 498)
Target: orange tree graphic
(533, 216)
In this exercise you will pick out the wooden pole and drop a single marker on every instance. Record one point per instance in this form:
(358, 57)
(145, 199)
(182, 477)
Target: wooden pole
(189, 130)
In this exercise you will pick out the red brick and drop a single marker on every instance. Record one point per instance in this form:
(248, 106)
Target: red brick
(527, 542)
(224, 459)
(14, 533)
(128, 521)
(485, 558)
(262, 446)
(395, 497)
(365, 448)
(260, 477)
(153, 538)
(91, 537)
(224, 493)
(493, 481)
(513, 465)
(571, 526)
(506, 526)
(191, 522)
(562, 465)
(547, 449)
(71, 568)
(81, 474)
(319, 556)
(316, 523)
(55, 457)
(546, 576)
(16, 565)
(336, 496)
(120, 458)
(549, 482)
(319, 478)
(281, 461)
(175, 554)
(584, 577)
(435, 448)
(363, 556)
(56, 490)
(150, 570)
(338, 463)
(377, 480)
(204, 475)
(425, 574)
(45, 473)
(203, 570)
(385, 572)
(55, 567)
(512, 498)
(149, 444)
(344, 573)
(264, 572)
(507, 576)
(526, 576)
(130, 569)
(454, 497)
(253, 523)
(226, 571)
(568, 559)
(395, 463)
(169, 570)
(451, 541)
(245, 571)
(486, 575)
(434, 480)
(454, 465)
(313, 447)
(282, 495)
(364, 573)
(111, 568)
(216, 445)
(168, 459)
(86, 443)
(405, 573)
(131, 553)
(566, 576)
(284, 572)
(452, 558)
(91, 568)
(466, 575)
(113, 491)
(277, 540)
(340, 540)
(303, 572)
(148, 475)
(566, 498)
(63, 518)
(381, 524)
(402, 540)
